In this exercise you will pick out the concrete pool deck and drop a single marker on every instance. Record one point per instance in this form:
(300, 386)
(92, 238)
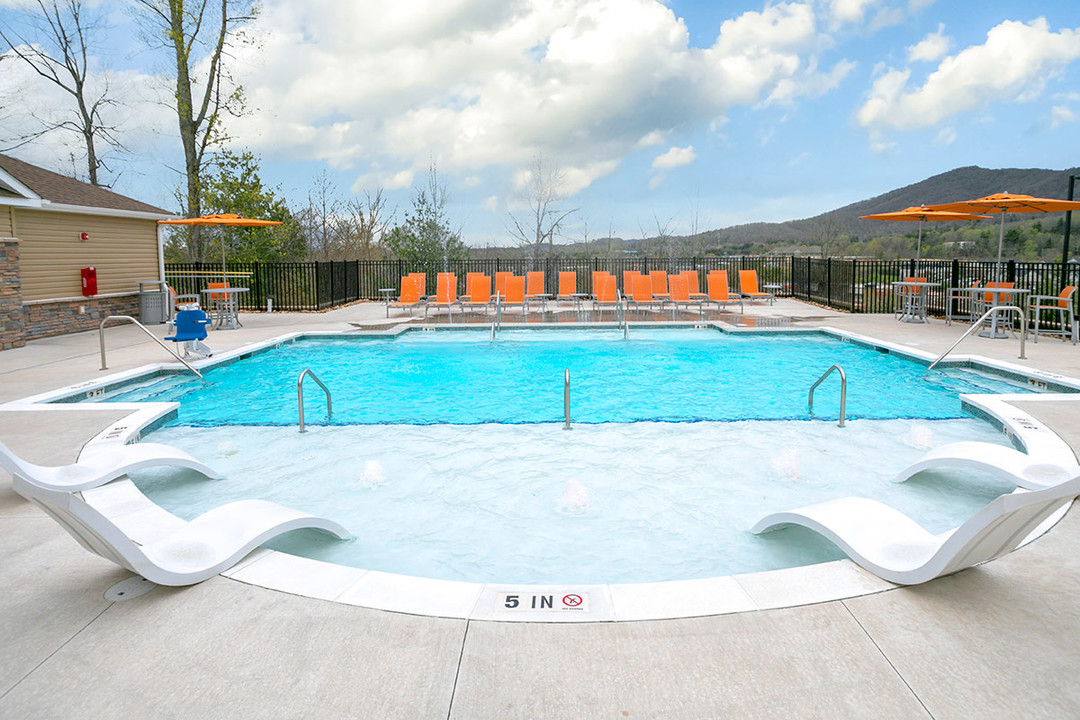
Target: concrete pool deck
(1001, 640)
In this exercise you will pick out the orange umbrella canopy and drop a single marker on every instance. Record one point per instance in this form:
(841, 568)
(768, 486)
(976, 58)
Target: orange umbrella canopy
(924, 213)
(1009, 203)
(1006, 202)
(222, 219)
(229, 219)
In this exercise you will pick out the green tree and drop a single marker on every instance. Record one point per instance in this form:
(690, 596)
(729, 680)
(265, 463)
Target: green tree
(426, 236)
(231, 184)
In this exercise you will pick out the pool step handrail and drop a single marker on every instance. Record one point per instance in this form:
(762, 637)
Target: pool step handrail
(300, 395)
(843, 391)
(566, 399)
(620, 317)
(978, 324)
(128, 318)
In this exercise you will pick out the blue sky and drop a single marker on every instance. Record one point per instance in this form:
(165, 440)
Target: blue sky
(687, 114)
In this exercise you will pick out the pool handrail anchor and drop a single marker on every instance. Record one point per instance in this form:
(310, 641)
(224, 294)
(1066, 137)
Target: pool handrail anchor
(128, 318)
(566, 399)
(843, 391)
(300, 395)
(978, 324)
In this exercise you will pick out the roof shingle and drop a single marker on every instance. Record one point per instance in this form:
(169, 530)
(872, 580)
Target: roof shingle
(58, 188)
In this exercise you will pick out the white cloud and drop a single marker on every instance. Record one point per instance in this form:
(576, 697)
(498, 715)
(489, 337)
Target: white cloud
(674, 157)
(930, 48)
(945, 137)
(491, 203)
(1059, 115)
(849, 11)
(473, 84)
(1013, 65)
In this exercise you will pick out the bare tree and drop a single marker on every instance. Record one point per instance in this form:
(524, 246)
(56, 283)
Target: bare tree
(58, 51)
(318, 217)
(544, 220)
(826, 233)
(198, 34)
(362, 228)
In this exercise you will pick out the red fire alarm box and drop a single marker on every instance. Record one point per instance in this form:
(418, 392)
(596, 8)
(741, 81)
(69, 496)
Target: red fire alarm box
(89, 281)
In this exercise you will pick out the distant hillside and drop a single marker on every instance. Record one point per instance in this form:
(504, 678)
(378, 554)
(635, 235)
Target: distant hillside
(964, 183)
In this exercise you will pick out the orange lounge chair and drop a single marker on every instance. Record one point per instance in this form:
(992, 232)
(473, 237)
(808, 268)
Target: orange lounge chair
(567, 285)
(500, 283)
(718, 290)
(445, 294)
(643, 292)
(480, 297)
(412, 291)
(607, 293)
(534, 288)
(599, 277)
(628, 282)
(748, 287)
(515, 294)
(659, 283)
(217, 301)
(680, 293)
(469, 278)
(693, 286)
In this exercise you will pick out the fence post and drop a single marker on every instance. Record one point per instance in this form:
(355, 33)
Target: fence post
(1010, 271)
(828, 281)
(854, 299)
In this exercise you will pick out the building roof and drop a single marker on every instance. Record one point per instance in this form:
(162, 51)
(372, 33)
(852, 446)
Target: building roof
(63, 190)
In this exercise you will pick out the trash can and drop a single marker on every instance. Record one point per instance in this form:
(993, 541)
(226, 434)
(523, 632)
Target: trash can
(153, 302)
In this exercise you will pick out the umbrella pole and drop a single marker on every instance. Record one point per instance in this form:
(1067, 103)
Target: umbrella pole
(225, 279)
(1001, 242)
(918, 249)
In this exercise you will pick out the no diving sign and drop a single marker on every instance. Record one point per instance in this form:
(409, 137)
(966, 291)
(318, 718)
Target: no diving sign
(542, 601)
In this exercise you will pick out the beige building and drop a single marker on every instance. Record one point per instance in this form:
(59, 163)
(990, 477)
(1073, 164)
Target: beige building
(52, 227)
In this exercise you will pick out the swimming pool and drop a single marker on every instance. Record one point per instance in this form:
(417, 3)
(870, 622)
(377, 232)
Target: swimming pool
(447, 459)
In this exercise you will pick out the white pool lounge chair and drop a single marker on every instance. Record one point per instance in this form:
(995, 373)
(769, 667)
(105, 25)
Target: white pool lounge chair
(101, 464)
(1003, 462)
(187, 554)
(896, 548)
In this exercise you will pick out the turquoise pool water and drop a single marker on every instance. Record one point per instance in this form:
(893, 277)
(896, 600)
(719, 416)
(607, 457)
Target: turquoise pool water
(446, 456)
(660, 375)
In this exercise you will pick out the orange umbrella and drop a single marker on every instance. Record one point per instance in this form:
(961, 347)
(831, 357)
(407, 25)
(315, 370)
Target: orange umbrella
(231, 219)
(1008, 203)
(923, 214)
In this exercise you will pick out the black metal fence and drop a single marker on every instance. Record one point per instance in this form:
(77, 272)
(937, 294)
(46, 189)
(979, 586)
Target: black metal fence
(858, 286)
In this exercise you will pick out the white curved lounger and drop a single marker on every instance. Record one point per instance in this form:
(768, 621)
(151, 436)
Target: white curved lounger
(99, 465)
(1004, 462)
(200, 549)
(896, 548)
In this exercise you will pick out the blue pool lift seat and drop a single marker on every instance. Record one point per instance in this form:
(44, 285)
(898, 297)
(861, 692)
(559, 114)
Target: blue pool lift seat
(190, 329)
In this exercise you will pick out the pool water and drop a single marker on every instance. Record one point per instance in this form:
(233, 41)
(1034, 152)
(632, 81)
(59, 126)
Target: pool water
(659, 375)
(446, 456)
(613, 503)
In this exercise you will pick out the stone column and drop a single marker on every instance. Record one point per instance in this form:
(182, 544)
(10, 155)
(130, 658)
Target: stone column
(11, 311)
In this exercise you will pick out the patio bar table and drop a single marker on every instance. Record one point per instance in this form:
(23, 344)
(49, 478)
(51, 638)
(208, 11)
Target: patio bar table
(998, 296)
(226, 308)
(912, 296)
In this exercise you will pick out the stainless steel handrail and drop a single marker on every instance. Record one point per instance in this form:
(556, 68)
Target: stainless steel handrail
(498, 311)
(843, 391)
(566, 399)
(128, 318)
(300, 395)
(620, 317)
(978, 323)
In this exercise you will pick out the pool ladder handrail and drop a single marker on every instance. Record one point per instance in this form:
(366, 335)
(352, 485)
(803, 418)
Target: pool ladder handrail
(620, 316)
(300, 395)
(843, 391)
(128, 318)
(566, 399)
(978, 324)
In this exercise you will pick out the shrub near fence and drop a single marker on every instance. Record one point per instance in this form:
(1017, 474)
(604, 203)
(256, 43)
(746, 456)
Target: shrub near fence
(858, 286)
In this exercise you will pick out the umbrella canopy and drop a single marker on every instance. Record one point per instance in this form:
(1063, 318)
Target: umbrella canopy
(1008, 203)
(923, 214)
(230, 219)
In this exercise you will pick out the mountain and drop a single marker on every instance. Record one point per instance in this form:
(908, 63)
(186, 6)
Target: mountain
(964, 183)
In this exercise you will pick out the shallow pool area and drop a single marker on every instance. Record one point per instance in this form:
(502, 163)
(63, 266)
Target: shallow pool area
(535, 504)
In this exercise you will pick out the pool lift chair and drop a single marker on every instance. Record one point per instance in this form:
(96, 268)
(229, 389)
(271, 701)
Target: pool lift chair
(190, 329)
(172, 551)
(100, 464)
(895, 548)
